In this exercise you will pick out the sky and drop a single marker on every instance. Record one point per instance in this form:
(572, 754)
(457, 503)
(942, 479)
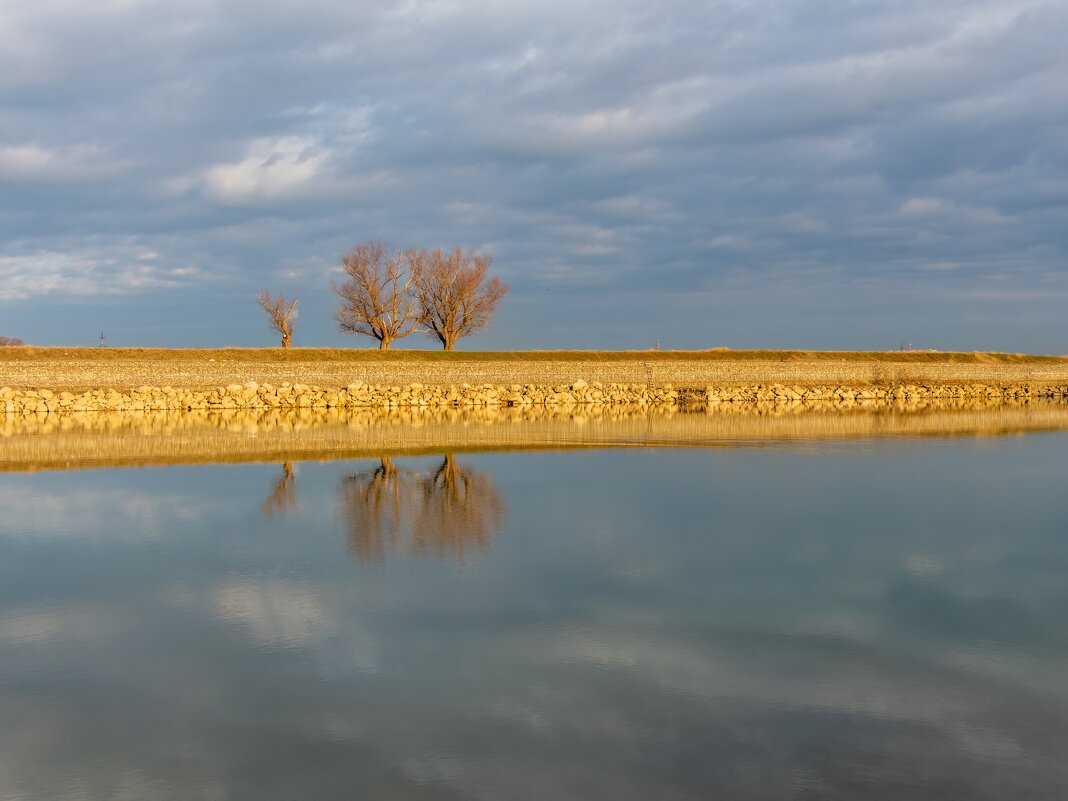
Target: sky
(766, 173)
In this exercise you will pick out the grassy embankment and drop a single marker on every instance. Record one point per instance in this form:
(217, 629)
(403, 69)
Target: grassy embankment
(239, 355)
(103, 438)
(81, 369)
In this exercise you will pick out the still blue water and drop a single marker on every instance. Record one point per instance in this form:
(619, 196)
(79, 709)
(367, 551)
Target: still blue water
(859, 620)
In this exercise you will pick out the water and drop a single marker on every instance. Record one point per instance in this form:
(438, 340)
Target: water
(849, 619)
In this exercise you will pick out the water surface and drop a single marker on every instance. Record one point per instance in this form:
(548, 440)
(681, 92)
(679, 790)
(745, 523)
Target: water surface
(818, 618)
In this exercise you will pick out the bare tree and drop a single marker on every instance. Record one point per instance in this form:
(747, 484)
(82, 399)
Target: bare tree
(455, 297)
(376, 299)
(10, 342)
(280, 313)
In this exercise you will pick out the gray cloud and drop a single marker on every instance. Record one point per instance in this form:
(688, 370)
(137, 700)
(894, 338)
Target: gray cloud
(706, 174)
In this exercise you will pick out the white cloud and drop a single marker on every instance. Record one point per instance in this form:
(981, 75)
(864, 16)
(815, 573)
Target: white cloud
(67, 164)
(922, 206)
(273, 169)
(638, 207)
(91, 270)
(953, 212)
(289, 168)
(646, 122)
(731, 241)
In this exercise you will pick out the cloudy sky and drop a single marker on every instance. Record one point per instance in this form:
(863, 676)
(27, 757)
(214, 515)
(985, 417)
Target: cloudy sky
(785, 173)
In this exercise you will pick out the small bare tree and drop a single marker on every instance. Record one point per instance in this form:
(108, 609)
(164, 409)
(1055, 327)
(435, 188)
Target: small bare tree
(10, 342)
(280, 313)
(376, 299)
(455, 297)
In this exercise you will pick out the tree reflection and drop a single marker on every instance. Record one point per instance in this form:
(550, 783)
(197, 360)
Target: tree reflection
(374, 505)
(449, 510)
(283, 497)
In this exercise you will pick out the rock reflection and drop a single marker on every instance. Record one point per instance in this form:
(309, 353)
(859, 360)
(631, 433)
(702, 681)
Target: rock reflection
(449, 510)
(80, 440)
(283, 497)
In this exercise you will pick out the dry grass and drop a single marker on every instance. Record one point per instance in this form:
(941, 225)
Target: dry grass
(79, 369)
(373, 356)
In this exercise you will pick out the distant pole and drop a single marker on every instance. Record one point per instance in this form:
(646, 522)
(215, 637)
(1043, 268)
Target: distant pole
(102, 338)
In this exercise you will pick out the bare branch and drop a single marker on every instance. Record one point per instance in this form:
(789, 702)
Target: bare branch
(280, 314)
(455, 297)
(376, 299)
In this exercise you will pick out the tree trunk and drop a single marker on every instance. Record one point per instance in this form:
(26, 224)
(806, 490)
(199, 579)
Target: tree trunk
(286, 339)
(383, 344)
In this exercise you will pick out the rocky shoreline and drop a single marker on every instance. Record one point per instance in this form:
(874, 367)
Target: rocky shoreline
(890, 393)
(252, 395)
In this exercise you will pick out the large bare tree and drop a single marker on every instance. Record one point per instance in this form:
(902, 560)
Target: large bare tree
(376, 298)
(456, 298)
(280, 313)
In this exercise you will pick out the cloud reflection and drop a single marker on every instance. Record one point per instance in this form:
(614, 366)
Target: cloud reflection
(774, 654)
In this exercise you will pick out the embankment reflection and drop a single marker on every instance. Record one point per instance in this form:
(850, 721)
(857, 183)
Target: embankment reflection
(128, 439)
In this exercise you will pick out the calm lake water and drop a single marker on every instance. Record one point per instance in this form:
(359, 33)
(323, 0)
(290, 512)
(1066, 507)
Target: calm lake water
(869, 619)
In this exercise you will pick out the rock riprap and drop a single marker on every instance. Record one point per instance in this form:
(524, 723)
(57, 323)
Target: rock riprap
(251, 395)
(896, 392)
